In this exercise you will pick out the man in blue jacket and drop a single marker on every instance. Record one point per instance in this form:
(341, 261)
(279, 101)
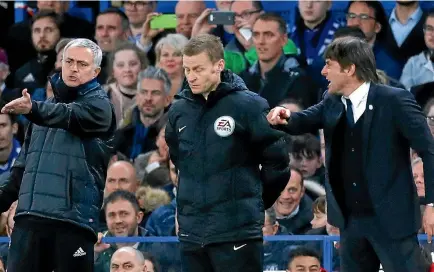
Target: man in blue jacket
(59, 175)
(231, 163)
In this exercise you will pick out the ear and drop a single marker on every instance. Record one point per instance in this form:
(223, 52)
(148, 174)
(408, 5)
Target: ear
(377, 28)
(96, 72)
(139, 217)
(220, 65)
(14, 128)
(284, 40)
(351, 70)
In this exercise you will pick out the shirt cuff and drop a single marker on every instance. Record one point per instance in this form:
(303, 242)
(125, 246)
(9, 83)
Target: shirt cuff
(144, 48)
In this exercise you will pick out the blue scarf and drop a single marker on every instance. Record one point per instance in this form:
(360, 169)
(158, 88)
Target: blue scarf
(140, 134)
(16, 148)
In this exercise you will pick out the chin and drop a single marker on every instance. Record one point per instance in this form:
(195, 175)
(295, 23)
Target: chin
(72, 83)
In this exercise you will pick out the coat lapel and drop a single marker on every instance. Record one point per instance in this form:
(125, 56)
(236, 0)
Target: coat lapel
(369, 113)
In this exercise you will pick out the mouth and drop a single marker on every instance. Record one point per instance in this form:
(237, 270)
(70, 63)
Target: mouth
(72, 78)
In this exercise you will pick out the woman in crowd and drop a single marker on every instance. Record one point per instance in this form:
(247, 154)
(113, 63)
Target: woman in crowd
(125, 63)
(169, 58)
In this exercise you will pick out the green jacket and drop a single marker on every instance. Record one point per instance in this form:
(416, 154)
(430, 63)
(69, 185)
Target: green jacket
(238, 62)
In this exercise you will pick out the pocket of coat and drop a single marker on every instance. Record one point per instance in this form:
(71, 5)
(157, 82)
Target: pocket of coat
(69, 191)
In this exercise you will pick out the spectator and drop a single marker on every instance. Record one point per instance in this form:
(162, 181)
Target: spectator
(151, 199)
(121, 175)
(19, 42)
(137, 11)
(293, 208)
(123, 217)
(155, 161)
(304, 259)
(124, 64)
(429, 113)
(418, 177)
(306, 156)
(404, 38)
(186, 14)
(276, 76)
(275, 252)
(4, 71)
(371, 18)
(419, 68)
(112, 26)
(4, 248)
(319, 220)
(128, 259)
(45, 35)
(246, 13)
(9, 147)
(314, 29)
(169, 58)
(151, 263)
(139, 129)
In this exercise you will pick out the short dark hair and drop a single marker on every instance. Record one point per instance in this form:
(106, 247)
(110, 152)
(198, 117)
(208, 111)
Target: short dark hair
(124, 19)
(379, 14)
(207, 43)
(257, 4)
(122, 195)
(318, 206)
(428, 106)
(348, 51)
(149, 257)
(302, 251)
(274, 17)
(12, 117)
(47, 14)
(349, 31)
(306, 145)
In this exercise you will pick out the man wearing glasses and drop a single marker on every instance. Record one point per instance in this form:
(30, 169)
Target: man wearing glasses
(136, 12)
(246, 13)
(370, 17)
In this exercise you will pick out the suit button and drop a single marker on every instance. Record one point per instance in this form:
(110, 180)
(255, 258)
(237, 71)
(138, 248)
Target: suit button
(354, 184)
(352, 149)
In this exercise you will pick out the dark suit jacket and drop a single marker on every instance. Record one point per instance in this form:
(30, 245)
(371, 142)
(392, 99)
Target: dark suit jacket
(393, 123)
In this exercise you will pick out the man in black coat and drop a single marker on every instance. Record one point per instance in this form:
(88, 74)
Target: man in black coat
(231, 163)
(59, 175)
(368, 130)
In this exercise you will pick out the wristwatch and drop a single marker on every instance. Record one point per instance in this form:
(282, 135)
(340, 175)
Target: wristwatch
(430, 204)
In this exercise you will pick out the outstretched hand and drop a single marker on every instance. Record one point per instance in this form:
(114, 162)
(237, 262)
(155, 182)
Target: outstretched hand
(22, 105)
(278, 116)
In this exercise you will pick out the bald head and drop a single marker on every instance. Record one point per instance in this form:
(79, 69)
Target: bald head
(121, 175)
(127, 259)
(186, 14)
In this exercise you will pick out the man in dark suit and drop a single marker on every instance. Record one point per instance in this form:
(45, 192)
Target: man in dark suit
(369, 129)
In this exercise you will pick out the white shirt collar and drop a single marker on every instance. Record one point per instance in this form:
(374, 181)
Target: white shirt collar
(359, 95)
(2, 87)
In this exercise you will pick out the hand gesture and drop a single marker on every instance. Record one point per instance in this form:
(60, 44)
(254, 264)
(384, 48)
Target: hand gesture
(428, 222)
(99, 245)
(278, 116)
(22, 105)
(201, 25)
(147, 32)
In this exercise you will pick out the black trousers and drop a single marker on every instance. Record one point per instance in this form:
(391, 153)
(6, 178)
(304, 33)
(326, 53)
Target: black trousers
(232, 256)
(364, 246)
(45, 245)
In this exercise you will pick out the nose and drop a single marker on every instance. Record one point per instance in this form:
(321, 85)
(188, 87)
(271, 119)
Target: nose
(324, 71)
(309, 4)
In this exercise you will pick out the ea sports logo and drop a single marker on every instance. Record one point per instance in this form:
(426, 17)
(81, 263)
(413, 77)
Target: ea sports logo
(224, 126)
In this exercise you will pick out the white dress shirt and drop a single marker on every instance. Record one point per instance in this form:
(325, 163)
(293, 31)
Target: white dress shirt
(358, 98)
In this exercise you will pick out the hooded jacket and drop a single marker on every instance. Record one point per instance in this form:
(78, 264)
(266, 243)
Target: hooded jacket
(61, 170)
(231, 163)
